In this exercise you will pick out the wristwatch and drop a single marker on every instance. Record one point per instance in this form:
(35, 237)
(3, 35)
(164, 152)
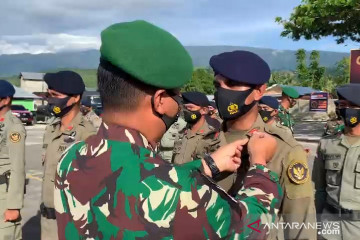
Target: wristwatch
(211, 164)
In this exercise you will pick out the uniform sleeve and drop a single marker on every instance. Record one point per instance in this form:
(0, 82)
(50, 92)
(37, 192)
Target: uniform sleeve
(319, 180)
(213, 213)
(259, 199)
(298, 204)
(16, 140)
(45, 144)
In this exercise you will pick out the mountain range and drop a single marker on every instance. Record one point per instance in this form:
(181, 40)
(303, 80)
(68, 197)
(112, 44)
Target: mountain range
(279, 60)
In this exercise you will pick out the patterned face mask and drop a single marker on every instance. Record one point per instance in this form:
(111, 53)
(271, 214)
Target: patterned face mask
(266, 115)
(350, 116)
(231, 103)
(192, 116)
(58, 106)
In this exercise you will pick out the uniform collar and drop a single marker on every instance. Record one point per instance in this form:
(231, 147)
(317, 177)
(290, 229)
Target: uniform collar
(78, 119)
(8, 116)
(232, 135)
(346, 144)
(122, 134)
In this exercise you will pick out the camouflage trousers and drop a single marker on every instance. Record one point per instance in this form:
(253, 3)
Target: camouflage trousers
(49, 230)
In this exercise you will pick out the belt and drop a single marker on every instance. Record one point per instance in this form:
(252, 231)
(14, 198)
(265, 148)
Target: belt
(345, 214)
(46, 212)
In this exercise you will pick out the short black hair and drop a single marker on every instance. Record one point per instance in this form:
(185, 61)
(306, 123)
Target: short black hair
(119, 91)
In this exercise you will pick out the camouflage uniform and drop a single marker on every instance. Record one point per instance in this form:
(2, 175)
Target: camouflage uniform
(167, 142)
(190, 146)
(12, 159)
(290, 163)
(55, 143)
(93, 118)
(337, 183)
(114, 186)
(285, 118)
(334, 127)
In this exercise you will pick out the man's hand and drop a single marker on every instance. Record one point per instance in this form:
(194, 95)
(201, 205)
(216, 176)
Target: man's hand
(11, 215)
(261, 148)
(227, 158)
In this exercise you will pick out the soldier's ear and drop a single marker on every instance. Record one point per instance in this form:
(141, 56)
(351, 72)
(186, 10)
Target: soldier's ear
(6, 101)
(159, 101)
(259, 92)
(204, 110)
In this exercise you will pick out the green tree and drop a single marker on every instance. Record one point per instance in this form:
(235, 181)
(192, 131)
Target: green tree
(202, 81)
(301, 68)
(316, 72)
(342, 72)
(284, 78)
(314, 19)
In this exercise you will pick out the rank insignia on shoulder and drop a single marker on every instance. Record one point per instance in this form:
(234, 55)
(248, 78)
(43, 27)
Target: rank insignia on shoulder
(298, 172)
(15, 137)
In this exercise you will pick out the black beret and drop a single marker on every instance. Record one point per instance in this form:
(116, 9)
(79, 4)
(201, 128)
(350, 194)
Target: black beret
(196, 98)
(241, 66)
(270, 101)
(350, 92)
(86, 102)
(6, 89)
(213, 104)
(66, 82)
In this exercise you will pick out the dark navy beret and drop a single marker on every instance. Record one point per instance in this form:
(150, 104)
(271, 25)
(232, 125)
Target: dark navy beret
(196, 98)
(66, 82)
(6, 89)
(86, 102)
(270, 101)
(350, 92)
(213, 104)
(241, 66)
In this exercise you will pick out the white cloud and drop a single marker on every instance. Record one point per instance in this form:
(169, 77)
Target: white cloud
(49, 43)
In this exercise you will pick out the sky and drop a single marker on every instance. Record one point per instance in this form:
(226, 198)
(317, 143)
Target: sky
(48, 26)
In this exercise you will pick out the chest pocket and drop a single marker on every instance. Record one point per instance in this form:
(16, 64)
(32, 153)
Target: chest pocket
(333, 166)
(357, 175)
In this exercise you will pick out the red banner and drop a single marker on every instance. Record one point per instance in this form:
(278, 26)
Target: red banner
(355, 66)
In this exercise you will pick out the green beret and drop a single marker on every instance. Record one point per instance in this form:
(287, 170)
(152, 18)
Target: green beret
(147, 53)
(291, 92)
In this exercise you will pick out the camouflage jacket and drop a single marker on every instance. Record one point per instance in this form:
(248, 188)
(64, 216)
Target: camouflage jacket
(285, 118)
(114, 186)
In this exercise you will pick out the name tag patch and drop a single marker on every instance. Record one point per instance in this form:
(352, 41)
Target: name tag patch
(332, 156)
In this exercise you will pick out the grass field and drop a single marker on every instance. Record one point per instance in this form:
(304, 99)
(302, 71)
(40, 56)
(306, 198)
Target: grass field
(88, 75)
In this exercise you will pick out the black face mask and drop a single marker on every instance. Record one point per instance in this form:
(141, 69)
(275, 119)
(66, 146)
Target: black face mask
(192, 116)
(58, 106)
(168, 121)
(266, 115)
(350, 116)
(231, 103)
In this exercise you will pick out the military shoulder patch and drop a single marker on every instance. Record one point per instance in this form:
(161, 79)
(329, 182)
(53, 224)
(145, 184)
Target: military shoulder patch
(298, 172)
(15, 137)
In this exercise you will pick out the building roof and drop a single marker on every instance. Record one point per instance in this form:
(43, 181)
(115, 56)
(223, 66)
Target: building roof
(32, 76)
(301, 90)
(21, 93)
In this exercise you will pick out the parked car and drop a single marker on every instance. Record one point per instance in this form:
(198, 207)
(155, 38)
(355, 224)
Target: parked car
(95, 101)
(23, 114)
